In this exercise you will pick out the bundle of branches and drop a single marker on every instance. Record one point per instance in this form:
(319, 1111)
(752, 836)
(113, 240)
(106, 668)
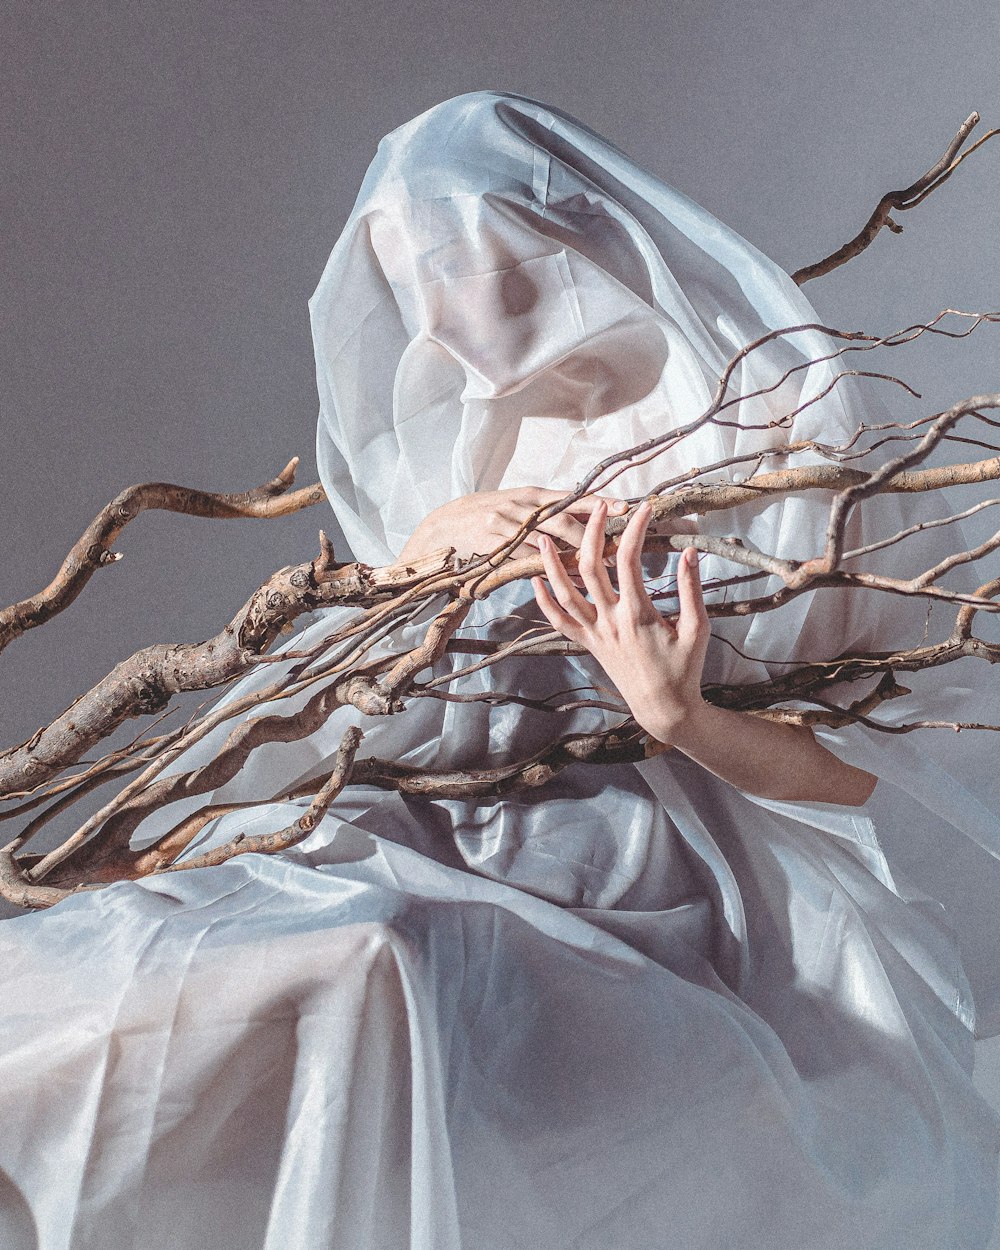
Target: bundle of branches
(46, 774)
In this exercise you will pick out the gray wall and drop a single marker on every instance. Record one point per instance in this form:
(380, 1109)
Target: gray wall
(174, 176)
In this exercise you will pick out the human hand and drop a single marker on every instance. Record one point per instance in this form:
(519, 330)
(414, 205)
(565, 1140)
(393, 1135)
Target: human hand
(480, 522)
(655, 663)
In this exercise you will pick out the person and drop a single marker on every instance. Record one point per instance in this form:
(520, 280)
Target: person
(726, 995)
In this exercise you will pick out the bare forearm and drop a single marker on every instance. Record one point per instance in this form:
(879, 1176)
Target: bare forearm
(767, 758)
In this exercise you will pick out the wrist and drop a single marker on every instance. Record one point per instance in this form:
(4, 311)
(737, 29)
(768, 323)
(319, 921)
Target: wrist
(681, 722)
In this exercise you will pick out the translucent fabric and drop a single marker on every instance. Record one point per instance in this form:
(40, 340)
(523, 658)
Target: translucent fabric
(631, 1007)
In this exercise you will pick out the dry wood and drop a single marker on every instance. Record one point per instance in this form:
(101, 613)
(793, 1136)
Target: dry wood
(892, 201)
(45, 775)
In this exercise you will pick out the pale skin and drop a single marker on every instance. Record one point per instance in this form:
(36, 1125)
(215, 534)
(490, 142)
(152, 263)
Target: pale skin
(655, 662)
(480, 522)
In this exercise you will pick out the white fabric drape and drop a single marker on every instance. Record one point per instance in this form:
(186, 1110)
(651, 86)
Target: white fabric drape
(634, 1007)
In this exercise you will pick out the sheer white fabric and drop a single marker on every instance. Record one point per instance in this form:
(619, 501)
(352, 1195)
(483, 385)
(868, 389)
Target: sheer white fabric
(633, 1007)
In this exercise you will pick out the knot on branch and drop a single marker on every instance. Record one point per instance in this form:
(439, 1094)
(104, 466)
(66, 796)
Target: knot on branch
(798, 578)
(367, 696)
(150, 697)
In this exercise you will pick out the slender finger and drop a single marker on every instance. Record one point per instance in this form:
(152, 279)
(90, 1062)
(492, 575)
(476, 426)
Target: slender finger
(566, 594)
(538, 496)
(563, 526)
(512, 515)
(591, 560)
(502, 525)
(692, 617)
(556, 615)
(519, 507)
(535, 551)
(531, 547)
(587, 503)
(510, 519)
(614, 507)
(631, 585)
(566, 523)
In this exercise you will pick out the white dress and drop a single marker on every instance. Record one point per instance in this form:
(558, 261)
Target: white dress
(632, 1008)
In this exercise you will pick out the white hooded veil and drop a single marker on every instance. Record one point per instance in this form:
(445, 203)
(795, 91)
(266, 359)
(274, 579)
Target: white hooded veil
(512, 295)
(511, 300)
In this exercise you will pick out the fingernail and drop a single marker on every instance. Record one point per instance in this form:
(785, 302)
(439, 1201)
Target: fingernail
(692, 556)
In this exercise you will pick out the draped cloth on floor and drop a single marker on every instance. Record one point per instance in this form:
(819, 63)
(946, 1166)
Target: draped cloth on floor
(634, 1006)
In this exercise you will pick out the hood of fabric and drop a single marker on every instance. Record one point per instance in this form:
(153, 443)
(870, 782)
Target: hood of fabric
(513, 298)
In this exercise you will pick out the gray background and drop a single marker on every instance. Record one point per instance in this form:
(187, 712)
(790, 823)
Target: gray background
(174, 176)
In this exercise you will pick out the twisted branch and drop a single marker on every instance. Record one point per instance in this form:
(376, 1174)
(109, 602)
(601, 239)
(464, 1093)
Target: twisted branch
(909, 197)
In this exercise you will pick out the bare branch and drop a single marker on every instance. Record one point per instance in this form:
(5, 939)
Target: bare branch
(92, 550)
(899, 201)
(282, 839)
